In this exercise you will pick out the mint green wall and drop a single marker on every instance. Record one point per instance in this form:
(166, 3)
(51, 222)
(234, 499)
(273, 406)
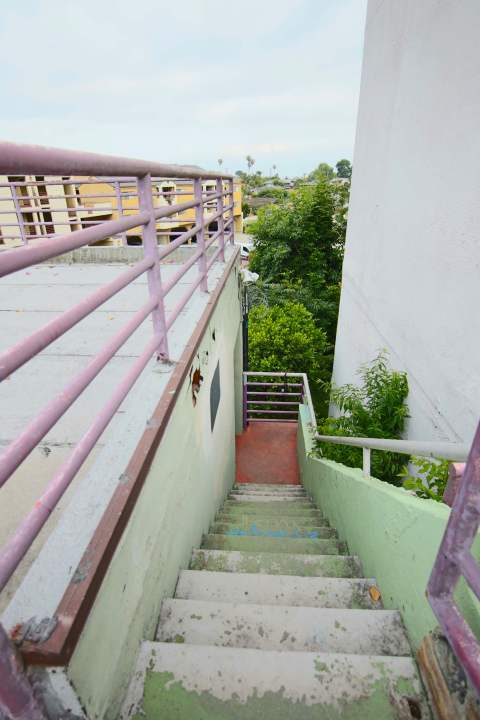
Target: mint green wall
(395, 534)
(192, 472)
(238, 366)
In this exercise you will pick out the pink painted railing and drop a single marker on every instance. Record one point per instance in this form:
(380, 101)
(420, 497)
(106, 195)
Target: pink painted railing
(23, 161)
(275, 396)
(455, 560)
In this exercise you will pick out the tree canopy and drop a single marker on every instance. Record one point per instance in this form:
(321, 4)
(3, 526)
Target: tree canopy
(285, 338)
(299, 250)
(344, 168)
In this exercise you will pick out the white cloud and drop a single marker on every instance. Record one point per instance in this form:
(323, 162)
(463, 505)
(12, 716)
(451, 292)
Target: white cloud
(185, 83)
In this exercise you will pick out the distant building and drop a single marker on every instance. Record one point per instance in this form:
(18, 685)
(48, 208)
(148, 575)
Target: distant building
(36, 207)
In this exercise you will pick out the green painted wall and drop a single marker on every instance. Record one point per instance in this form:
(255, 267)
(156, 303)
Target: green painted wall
(395, 534)
(238, 366)
(193, 470)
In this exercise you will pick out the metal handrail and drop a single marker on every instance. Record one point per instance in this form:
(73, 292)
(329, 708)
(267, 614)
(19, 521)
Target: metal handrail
(263, 402)
(422, 448)
(38, 160)
(23, 160)
(454, 559)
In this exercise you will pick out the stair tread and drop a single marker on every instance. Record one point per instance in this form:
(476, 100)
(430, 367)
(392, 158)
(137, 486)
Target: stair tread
(329, 546)
(238, 561)
(274, 508)
(276, 589)
(255, 530)
(280, 627)
(272, 497)
(269, 486)
(194, 681)
(274, 544)
(289, 493)
(278, 502)
(271, 521)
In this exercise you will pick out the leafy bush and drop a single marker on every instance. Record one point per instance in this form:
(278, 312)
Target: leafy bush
(285, 338)
(274, 193)
(431, 480)
(322, 304)
(377, 409)
(246, 209)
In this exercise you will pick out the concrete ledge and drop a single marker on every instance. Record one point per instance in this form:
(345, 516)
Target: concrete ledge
(105, 254)
(395, 534)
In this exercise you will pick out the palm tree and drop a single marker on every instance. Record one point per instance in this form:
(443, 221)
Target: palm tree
(250, 162)
(274, 169)
(220, 162)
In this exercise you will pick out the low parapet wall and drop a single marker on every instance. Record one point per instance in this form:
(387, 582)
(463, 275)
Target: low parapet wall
(193, 469)
(395, 534)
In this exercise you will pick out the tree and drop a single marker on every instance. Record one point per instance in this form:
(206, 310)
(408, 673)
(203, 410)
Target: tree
(299, 251)
(220, 162)
(250, 162)
(285, 338)
(324, 170)
(344, 168)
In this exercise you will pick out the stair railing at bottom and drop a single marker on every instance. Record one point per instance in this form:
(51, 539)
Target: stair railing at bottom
(454, 559)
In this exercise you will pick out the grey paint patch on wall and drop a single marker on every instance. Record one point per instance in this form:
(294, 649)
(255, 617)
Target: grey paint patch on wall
(214, 395)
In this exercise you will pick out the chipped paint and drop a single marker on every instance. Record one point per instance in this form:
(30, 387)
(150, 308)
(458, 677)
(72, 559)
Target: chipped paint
(281, 564)
(262, 685)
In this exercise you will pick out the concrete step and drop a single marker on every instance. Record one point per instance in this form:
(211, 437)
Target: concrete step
(277, 589)
(269, 490)
(272, 522)
(254, 529)
(269, 487)
(346, 566)
(276, 627)
(302, 509)
(273, 544)
(297, 500)
(194, 682)
(270, 497)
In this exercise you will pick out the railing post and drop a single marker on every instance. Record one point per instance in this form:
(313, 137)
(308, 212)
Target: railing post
(245, 407)
(17, 701)
(150, 250)
(120, 208)
(232, 225)
(221, 220)
(18, 210)
(199, 220)
(366, 461)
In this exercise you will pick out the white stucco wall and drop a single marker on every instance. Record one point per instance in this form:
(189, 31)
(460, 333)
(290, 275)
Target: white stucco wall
(411, 277)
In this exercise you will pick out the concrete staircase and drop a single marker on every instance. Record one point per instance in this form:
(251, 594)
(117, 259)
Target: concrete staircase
(273, 620)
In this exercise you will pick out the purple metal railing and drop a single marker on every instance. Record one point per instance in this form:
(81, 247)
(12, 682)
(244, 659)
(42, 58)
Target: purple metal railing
(15, 695)
(455, 560)
(274, 396)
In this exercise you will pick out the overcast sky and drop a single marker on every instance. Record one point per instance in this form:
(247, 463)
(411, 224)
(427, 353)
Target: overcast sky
(186, 81)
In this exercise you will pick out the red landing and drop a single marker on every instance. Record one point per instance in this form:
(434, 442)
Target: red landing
(267, 453)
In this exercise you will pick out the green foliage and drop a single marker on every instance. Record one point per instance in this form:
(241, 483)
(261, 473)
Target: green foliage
(376, 409)
(299, 246)
(324, 171)
(285, 338)
(322, 305)
(275, 193)
(246, 209)
(344, 168)
(431, 480)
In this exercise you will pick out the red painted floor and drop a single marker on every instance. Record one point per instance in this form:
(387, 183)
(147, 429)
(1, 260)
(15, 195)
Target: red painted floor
(267, 453)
